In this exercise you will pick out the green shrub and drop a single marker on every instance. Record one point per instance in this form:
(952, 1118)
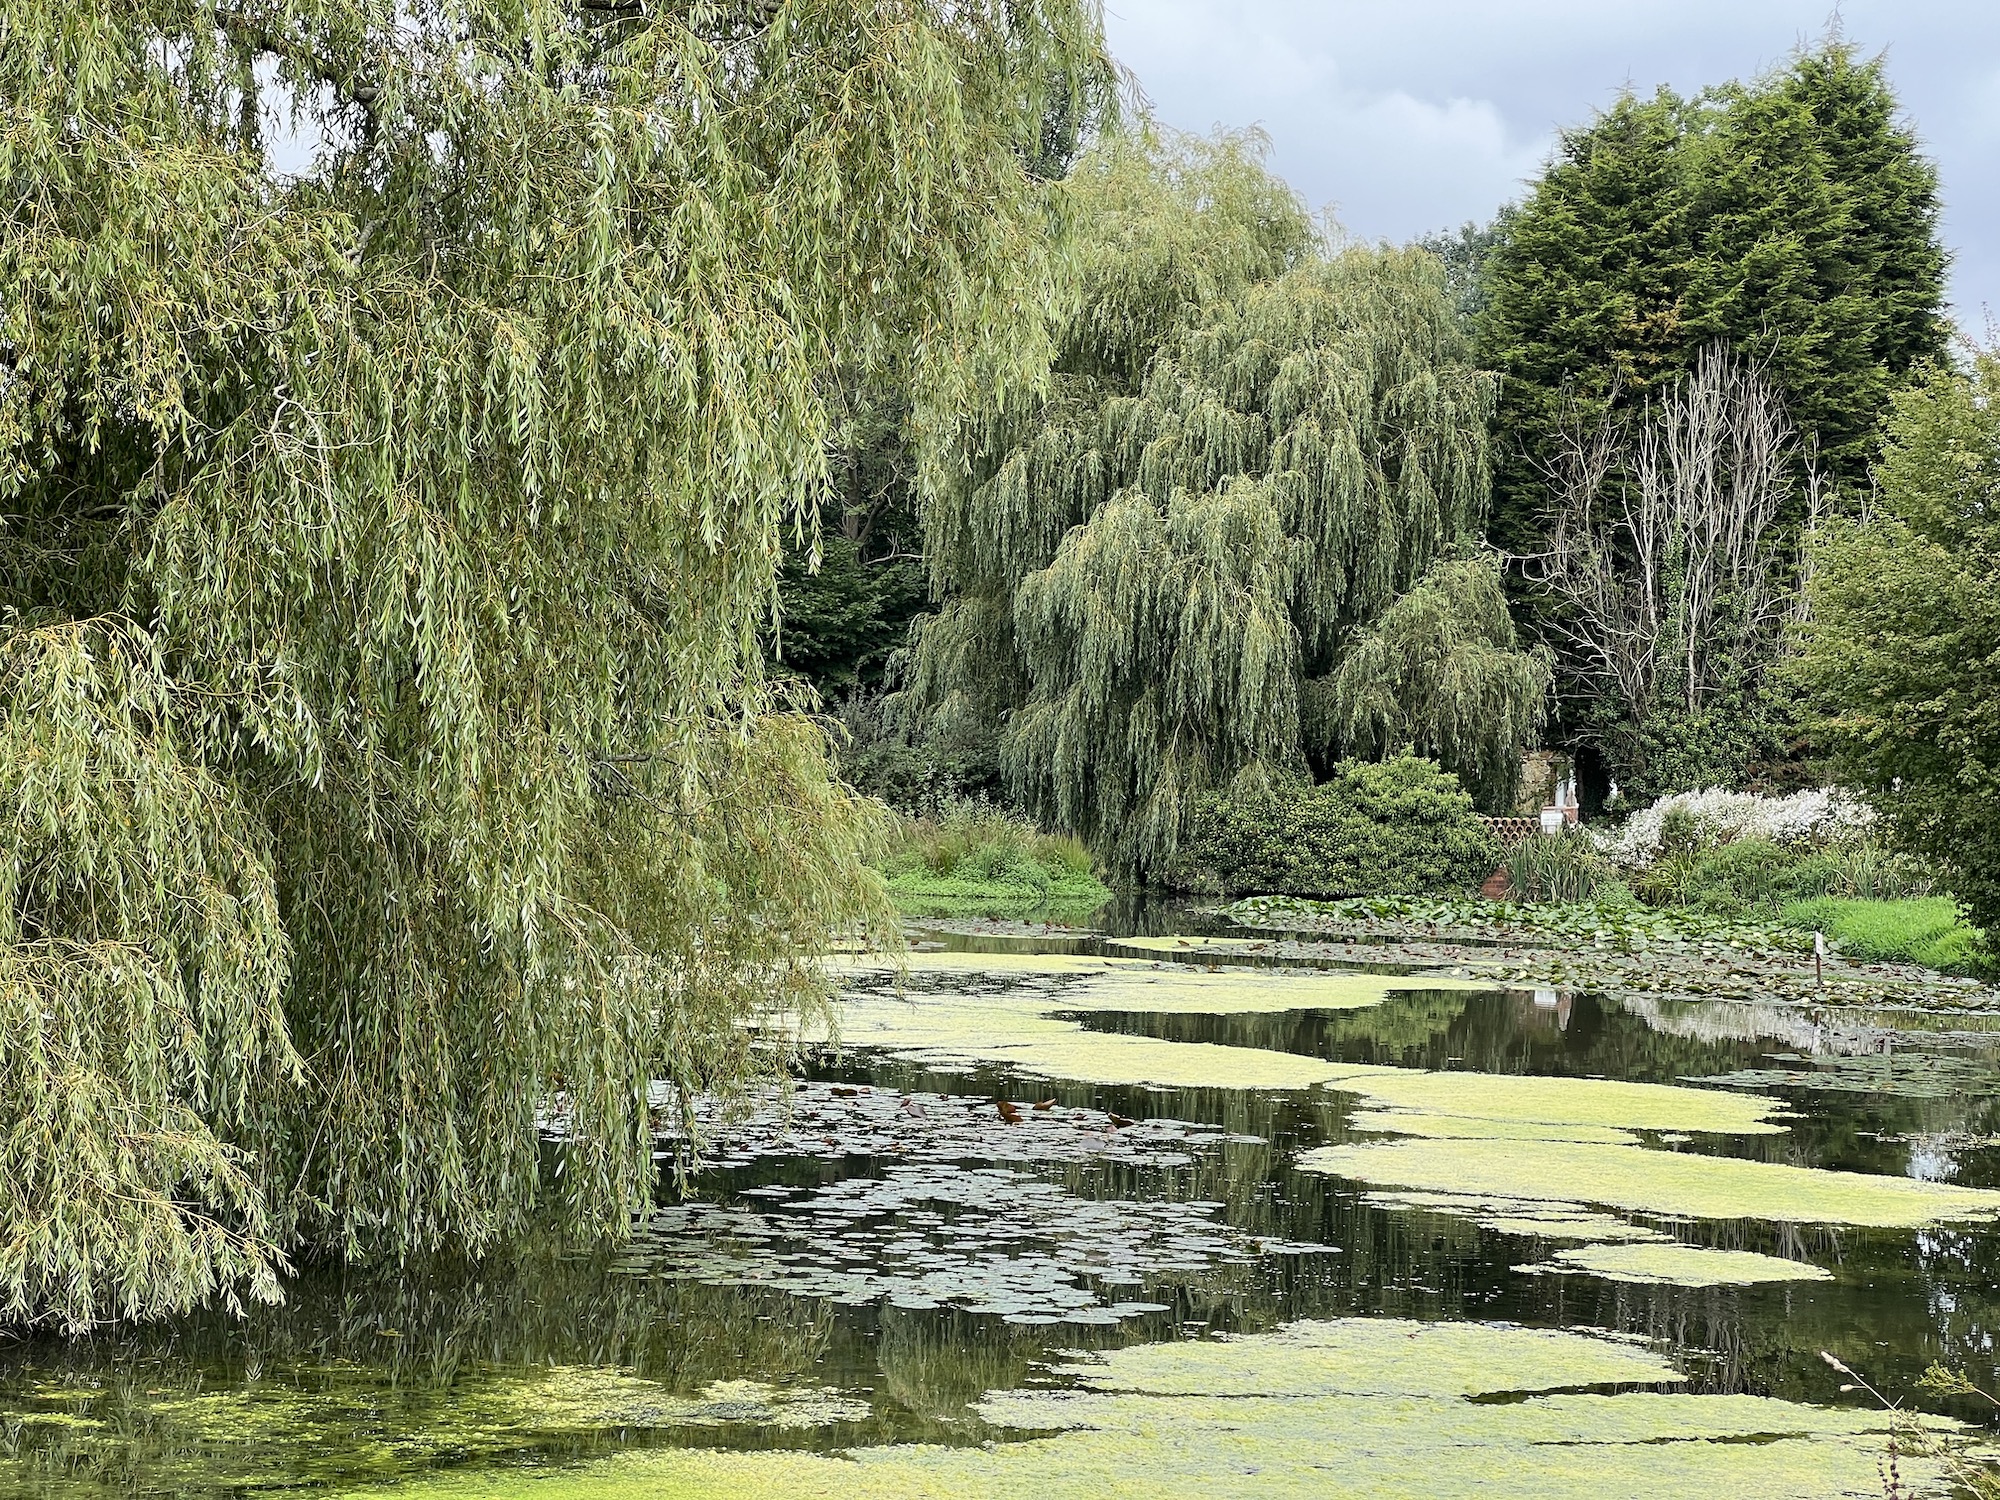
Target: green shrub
(1928, 930)
(1402, 827)
(1565, 866)
(919, 775)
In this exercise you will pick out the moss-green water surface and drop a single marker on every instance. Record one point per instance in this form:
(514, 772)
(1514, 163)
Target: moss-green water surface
(1171, 1222)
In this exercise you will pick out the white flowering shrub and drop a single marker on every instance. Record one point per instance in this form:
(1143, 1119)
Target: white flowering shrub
(1721, 817)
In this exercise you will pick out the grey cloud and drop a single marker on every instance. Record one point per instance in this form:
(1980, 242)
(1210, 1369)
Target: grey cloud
(1413, 115)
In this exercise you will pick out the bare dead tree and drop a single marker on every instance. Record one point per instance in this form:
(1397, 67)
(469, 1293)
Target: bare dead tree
(1672, 580)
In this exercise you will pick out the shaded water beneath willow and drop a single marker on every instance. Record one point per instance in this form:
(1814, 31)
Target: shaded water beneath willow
(544, 1355)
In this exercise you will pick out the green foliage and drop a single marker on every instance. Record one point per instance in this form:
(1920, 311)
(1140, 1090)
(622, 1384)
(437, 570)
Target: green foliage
(1902, 650)
(978, 853)
(1399, 827)
(1250, 446)
(846, 598)
(843, 619)
(1439, 672)
(388, 757)
(1927, 930)
(1463, 253)
(920, 775)
(1792, 218)
(1562, 867)
(1747, 735)
(1756, 876)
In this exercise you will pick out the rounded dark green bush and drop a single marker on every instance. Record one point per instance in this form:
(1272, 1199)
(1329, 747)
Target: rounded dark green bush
(1403, 827)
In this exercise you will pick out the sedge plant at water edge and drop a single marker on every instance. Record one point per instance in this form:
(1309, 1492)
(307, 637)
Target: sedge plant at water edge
(385, 758)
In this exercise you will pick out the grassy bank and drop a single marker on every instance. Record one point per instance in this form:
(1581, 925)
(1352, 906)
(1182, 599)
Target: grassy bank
(980, 861)
(1925, 930)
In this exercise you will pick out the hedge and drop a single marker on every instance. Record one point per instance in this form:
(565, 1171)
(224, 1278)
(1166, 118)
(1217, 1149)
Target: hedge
(1402, 827)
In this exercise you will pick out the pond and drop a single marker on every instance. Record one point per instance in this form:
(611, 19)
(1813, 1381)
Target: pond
(1145, 1216)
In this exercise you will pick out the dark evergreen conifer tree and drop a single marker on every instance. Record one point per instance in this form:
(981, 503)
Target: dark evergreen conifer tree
(1794, 219)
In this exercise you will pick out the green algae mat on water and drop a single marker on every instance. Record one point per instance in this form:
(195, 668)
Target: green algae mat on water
(1381, 1408)
(1156, 1225)
(1639, 1180)
(1678, 1265)
(1027, 1028)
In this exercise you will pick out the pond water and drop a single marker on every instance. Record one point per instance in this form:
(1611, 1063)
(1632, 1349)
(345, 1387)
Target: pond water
(1258, 1231)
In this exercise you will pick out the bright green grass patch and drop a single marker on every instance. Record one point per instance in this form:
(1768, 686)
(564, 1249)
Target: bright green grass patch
(1925, 930)
(978, 860)
(1378, 1407)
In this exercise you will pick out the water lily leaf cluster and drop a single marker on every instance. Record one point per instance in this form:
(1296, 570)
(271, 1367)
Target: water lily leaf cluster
(839, 1122)
(1607, 948)
(984, 1240)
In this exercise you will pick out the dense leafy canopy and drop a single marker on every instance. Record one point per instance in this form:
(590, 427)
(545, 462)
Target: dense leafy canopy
(1251, 446)
(1402, 827)
(1902, 650)
(1440, 671)
(848, 593)
(1792, 218)
(386, 756)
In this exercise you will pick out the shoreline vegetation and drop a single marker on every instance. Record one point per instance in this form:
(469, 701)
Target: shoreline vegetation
(973, 859)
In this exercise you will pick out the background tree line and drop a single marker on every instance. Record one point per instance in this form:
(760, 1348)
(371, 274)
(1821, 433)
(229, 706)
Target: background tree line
(1688, 331)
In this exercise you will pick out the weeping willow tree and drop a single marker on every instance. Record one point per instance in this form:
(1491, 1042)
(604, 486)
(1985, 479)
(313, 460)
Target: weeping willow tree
(1251, 446)
(1439, 671)
(402, 406)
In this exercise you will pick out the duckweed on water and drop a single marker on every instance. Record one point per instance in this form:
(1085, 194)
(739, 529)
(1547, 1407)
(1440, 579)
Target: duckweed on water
(1027, 1032)
(1679, 1265)
(1086, 982)
(1373, 1357)
(1350, 1408)
(350, 1425)
(1552, 1220)
(1526, 1107)
(1654, 1182)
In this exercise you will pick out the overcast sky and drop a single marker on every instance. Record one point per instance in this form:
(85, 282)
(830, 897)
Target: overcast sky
(1406, 116)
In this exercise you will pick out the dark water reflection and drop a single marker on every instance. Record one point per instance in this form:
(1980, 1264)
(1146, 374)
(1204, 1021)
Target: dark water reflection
(370, 1375)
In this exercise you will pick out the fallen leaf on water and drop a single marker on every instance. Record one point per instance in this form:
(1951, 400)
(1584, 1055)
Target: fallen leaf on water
(1009, 1111)
(1045, 1104)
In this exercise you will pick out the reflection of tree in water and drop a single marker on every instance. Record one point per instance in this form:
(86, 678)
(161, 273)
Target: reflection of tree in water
(937, 1366)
